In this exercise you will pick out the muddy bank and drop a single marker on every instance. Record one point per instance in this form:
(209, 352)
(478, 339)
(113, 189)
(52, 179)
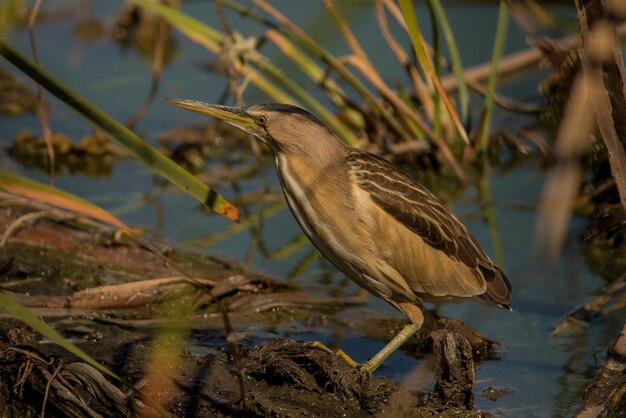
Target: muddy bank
(280, 378)
(126, 301)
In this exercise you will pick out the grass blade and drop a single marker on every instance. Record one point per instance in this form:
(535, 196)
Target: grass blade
(437, 63)
(20, 312)
(11, 306)
(211, 39)
(498, 49)
(348, 35)
(287, 28)
(418, 44)
(266, 86)
(31, 189)
(421, 90)
(10, 13)
(194, 29)
(455, 56)
(151, 157)
(316, 73)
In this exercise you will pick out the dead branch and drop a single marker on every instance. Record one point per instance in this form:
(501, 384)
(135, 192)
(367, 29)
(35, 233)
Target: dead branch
(608, 390)
(528, 59)
(603, 66)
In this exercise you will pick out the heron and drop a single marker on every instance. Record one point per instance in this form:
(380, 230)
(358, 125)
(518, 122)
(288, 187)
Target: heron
(369, 218)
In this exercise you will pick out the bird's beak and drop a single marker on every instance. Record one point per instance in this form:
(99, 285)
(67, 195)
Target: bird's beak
(236, 116)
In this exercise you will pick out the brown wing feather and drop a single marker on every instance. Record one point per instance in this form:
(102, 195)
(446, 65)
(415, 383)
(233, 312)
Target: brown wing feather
(423, 213)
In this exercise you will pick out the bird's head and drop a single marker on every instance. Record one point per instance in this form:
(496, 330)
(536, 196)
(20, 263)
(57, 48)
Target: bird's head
(286, 129)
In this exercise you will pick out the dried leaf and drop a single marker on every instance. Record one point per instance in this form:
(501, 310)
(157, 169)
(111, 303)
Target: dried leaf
(31, 189)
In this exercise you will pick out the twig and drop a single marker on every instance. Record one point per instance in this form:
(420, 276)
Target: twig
(24, 371)
(420, 87)
(517, 62)
(416, 147)
(504, 102)
(289, 28)
(403, 109)
(234, 84)
(30, 355)
(563, 181)
(45, 395)
(31, 217)
(157, 68)
(603, 66)
(599, 398)
(348, 35)
(235, 353)
(41, 107)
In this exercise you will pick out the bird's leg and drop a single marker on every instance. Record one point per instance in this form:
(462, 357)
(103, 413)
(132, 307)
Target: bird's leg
(405, 333)
(372, 364)
(415, 315)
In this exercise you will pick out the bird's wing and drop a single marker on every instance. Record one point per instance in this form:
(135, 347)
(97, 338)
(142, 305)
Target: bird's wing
(422, 213)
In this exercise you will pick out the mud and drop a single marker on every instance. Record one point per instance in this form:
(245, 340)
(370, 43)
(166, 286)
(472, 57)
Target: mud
(280, 378)
(111, 294)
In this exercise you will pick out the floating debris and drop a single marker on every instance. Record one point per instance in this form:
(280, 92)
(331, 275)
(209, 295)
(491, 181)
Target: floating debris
(15, 97)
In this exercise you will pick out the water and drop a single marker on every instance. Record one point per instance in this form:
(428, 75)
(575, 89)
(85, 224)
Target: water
(546, 375)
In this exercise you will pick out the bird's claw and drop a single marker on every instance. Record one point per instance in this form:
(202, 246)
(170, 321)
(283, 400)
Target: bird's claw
(340, 353)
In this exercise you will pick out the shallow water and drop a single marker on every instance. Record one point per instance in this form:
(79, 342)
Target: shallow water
(546, 376)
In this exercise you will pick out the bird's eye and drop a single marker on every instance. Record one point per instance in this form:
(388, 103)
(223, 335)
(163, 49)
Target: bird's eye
(261, 120)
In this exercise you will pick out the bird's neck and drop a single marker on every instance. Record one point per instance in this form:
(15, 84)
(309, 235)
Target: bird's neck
(317, 157)
(308, 170)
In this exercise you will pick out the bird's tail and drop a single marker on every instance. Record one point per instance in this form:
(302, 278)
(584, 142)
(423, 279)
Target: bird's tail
(498, 290)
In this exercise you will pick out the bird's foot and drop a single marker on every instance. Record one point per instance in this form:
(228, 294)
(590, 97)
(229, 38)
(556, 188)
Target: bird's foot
(374, 363)
(342, 354)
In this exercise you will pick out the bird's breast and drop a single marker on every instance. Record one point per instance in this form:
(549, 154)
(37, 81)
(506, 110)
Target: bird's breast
(322, 202)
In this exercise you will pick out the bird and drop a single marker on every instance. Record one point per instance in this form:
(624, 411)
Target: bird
(368, 217)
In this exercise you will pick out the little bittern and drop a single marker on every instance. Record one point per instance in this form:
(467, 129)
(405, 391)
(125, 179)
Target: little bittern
(368, 217)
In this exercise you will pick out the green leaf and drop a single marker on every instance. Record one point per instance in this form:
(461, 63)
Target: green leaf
(20, 312)
(11, 306)
(417, 39)
(498, 49)
(118, 132)
(455, 56)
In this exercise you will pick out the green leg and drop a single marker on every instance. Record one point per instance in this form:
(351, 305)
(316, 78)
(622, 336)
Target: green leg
(374, 363)
(405, 333)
